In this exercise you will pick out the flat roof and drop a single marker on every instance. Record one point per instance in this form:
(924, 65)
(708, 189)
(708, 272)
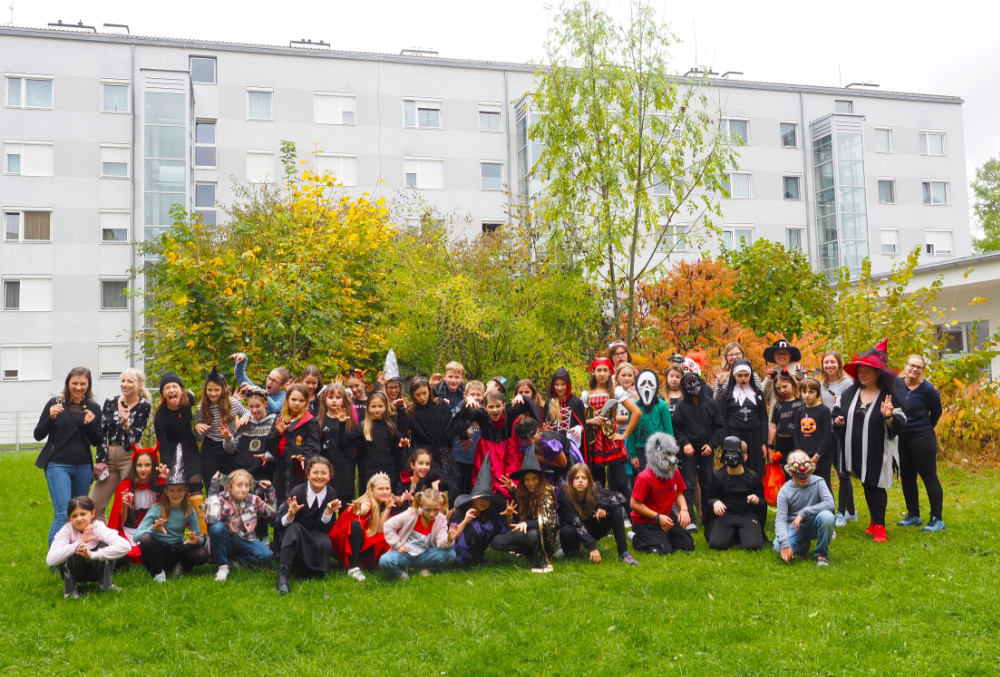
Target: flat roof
(424, 59)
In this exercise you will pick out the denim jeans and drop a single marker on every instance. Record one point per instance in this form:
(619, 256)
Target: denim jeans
(65, 482)
(394, 562)
(224, 544)
(819, 527)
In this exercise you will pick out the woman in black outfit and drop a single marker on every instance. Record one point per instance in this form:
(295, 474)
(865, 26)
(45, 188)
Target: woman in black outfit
(918, 445)
(72, 423)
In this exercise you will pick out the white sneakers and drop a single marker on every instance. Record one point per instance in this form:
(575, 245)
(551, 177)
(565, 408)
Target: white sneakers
(547, 569)
(356, 574)
(222, 574)
(160, 577)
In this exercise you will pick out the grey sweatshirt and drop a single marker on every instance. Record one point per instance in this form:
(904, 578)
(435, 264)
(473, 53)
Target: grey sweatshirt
(794, 500)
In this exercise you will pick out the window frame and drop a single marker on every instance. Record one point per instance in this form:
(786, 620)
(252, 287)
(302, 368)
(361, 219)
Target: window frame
(20, 169)
(492, 225)
(213, 208)
(729, 182)
(728, 119)
(20, 279)
(260, 90)
(732, 228)
(128, 301)
(850, 106)
(19, 347)
(341, 157)
(246, 157)
(106, 82)
(882, 243)
(339, 95)
(802, 240)
(24, 77)
(878, 189)
(213, 145)
(798, 187)
(781, 137)
(491, 108)
(892, 147)
(931, 182)
(128, 165)
(928, 235)
(215, 69)
(482, 164)
(101, 228)
(22, 211)
(422, 159)
(430, 104)
(100, 371)
(924, 147)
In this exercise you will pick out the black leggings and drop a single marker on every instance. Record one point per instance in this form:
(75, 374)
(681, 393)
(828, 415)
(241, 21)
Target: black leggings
(79, 569)
(612, 476)
(528, 545)
(158, 556)
(697, 469)
(725, 528)
(918, 456)
(215, 459)
(356, 537)
(877, 500)
(598, 529)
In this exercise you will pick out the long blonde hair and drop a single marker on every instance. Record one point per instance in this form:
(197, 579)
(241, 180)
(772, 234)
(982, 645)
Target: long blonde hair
(390, 413)
(140, 381)
(379, 513)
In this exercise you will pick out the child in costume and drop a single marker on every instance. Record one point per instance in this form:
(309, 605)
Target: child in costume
(357, 537)
(655, 418)
(587, 513)
(465, 454)
(744, 412)
(534, 535)
(699, 430)
(337, 419)
(293, 440)
(784, 414)
(659, 510)
(433, 427)
(488, 519)
(170, 536)
(304, 517)
(547, 447)
(605, 445)
(420, 537)
(813, 431)
(497, 442)
(737, 499)
(172, 423)
(805, 512)
(376, 439)
(565, 415)
(85, 549)
(232, 518)
(135, 496)
(217, 418)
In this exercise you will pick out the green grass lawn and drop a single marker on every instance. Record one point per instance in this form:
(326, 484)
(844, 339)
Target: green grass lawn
(922, 604)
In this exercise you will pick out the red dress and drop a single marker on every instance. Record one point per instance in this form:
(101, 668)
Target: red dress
(372, 547)
(605, 451)
(505, 454)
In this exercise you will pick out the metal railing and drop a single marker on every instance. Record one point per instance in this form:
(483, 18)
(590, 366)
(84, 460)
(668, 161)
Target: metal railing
(16, 430)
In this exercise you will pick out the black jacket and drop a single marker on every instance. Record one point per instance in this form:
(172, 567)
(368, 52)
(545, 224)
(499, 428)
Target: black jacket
(568, 516)
(378, 455)
(698, 424)
(69, 440)
(433, 426)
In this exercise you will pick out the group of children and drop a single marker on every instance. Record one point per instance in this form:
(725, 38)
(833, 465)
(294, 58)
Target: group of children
(453, 468)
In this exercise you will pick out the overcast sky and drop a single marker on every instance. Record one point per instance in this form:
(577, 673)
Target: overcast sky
(915, 46)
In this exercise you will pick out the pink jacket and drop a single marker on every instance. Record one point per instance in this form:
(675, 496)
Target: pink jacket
(398, 528)
(66, 539)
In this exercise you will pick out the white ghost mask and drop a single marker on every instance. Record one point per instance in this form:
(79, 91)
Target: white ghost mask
(647, 385)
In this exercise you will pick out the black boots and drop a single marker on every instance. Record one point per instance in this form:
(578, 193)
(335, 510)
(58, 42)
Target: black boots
(282, 585)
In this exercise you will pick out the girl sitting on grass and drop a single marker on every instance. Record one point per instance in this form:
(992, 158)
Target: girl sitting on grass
(421, 538)
(534, 536)
(134, 497)
(588, 512)
(169, 535)
(357, 537)
(85, 549)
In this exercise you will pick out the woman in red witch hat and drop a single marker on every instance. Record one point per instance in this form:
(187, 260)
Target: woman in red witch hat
(869, 421)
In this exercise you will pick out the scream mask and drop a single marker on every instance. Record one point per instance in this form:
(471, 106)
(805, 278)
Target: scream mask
(661, 455)
(691, 384)
(647, 385)
(732, 452)
(800, 467)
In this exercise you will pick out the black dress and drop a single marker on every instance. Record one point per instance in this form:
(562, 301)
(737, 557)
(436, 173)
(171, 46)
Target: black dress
(307, 533)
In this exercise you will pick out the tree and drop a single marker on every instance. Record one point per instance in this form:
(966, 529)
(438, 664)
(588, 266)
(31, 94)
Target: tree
(292, 279)
(777, 289)
(986, 189)
(615, 125)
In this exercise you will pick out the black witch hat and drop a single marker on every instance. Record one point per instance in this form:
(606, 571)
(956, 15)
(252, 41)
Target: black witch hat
(529, 464)
(483, 488)
(215, 376)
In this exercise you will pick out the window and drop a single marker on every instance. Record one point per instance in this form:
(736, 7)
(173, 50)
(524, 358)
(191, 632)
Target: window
(204, 202)
(737, 237)
(883, 140)
(27, 294)
(344, 167)
(423, 114)
(113, 295)
(793, 239)
(114, 162)
(114, 97)
(423, 173)
(112, 359)
(886, 191)
(115, 226)
(674, 239)
(204, 143)
(957, 337)
(932, 143)
(26, 363)
(789, 135)
(890, 242)
(791, 187)
(736, 130)
(491, 174)
(203, 69)
(939, 243)
(29, 158)
(738, 185)
(489, 118)
(27, 226)
(259, 104)
(843, 106)
(333, 109)
(490, 226)
(260, 166)
(28, 92)
(935, 192)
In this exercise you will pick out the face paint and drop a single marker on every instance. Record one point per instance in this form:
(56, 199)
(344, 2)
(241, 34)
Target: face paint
(647, 385)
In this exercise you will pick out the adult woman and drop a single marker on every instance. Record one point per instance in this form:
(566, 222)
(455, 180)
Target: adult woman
(918, 445)
(124, 419)
(730, 353)
(869, 422)
(72, 423)
(833, 383)
(618, 352)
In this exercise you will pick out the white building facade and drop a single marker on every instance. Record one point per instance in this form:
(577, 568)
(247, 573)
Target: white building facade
(103, 133)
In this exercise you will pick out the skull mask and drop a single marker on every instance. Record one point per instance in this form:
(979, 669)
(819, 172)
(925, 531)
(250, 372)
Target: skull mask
(661, 455)
(647, 385)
